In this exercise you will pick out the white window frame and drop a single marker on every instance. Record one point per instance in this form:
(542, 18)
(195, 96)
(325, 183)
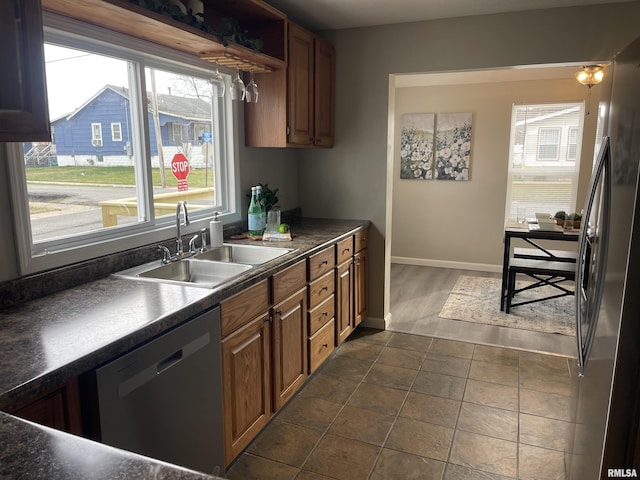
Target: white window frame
(96, 134)
(561, 167)
(116, 132)
(117, 239)
(177, 130)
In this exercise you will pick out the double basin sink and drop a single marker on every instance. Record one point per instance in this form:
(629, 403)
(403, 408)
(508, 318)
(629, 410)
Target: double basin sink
(207, 269)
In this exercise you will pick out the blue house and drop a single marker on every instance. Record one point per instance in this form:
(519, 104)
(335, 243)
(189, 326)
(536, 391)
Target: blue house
(99, 131)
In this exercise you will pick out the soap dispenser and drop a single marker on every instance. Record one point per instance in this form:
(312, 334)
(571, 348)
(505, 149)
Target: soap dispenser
(215, 231)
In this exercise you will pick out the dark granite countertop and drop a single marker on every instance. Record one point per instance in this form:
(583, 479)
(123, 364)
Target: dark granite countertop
(47, 341)
(32, 451)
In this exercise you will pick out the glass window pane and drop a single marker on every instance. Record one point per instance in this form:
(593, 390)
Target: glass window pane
(72, 181)
(543, 170)
(183, 147)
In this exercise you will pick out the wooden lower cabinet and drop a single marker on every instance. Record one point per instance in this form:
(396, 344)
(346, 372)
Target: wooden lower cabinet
(58, 409)
(321, 344)
(360, 286)
(264, 353)
(344, 301)
(289, 347)
(278, 332)
(246, 384)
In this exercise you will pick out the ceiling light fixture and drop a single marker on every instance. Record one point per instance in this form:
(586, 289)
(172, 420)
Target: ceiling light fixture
(590, 75)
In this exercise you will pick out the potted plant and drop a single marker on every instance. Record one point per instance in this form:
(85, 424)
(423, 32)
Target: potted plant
(560, 216)
(577, 219)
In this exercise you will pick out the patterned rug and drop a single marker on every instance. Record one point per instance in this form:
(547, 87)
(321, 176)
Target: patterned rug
(477, 300)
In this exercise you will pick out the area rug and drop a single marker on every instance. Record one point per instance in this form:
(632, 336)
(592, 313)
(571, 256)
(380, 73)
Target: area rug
(477, 300)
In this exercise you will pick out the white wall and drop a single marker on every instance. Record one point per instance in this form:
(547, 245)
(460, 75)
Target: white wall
(460, 224)
(350, 180)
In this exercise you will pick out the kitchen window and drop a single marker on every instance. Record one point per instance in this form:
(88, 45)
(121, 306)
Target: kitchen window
(544, 158)
(86, 194)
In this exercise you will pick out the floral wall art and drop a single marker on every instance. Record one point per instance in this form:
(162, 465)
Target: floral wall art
(435, 146)
(416, 146)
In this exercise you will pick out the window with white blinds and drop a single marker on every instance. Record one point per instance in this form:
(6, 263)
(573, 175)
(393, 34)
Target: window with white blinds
(544, 158)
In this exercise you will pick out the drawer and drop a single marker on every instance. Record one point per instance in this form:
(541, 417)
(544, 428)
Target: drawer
(344, 250)
(243, 307)
(321, 262)
(321, 314)
(321, 288)
(321, 345)
(361, 240)
(289, 281)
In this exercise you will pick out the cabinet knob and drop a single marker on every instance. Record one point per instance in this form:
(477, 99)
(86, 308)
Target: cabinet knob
(278, 312)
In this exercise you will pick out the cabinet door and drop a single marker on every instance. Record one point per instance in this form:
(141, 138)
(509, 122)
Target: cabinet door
(59, 409)
(344, 301)
(289, 347)
(24, 114)
(246, 384)
(361, 286)
(324, 95)
(300, 86)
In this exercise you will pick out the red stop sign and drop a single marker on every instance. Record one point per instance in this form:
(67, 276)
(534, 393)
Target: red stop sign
(180, 166)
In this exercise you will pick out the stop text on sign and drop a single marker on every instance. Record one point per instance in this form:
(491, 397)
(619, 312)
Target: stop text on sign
(180, 166)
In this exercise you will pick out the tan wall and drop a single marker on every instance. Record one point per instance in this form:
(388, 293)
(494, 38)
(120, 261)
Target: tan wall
(448, 222)
(350, 180)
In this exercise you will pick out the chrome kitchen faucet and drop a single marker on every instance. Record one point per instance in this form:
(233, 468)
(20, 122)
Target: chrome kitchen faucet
(180, 206)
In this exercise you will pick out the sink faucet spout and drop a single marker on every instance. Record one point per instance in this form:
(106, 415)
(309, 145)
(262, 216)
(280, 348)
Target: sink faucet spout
(180, 207)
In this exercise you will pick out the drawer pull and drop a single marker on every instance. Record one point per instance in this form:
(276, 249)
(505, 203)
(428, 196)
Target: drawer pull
(325, 288)
(324, 262)
(279, 312)
(324, 314)
(346, 250)
(325, 345)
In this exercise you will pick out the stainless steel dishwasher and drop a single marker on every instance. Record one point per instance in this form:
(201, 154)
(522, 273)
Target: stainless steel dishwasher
(164, 399)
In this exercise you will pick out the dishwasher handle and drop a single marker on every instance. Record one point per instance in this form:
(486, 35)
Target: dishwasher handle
(171, 360)
(137, 376)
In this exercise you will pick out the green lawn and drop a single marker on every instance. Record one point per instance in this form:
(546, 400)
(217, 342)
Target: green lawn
(113, 176)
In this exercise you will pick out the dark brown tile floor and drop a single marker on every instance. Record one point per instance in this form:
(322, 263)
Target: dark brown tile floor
(391, 405)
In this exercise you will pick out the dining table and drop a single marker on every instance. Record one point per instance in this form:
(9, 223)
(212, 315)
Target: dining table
(531, 234)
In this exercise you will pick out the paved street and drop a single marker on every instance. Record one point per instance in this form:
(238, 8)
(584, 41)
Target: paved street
(71, 209)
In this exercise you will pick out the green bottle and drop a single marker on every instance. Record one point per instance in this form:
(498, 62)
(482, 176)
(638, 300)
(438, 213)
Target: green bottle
(262, 224)
(254, 214)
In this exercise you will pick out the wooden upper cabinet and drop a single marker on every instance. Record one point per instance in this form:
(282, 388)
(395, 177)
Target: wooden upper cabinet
(296, 106)
(24, 114)
(301, 77)
(324, 99)
(257, 17)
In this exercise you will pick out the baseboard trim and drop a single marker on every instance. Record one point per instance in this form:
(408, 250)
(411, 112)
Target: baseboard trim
(376, 323)
(426, 262)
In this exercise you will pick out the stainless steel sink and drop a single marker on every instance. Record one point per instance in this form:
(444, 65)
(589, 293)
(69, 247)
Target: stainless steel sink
(244, 254)
(190, 271)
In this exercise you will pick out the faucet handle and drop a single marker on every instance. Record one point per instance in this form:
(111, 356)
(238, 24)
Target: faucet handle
(192, 244)
(166, 254)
